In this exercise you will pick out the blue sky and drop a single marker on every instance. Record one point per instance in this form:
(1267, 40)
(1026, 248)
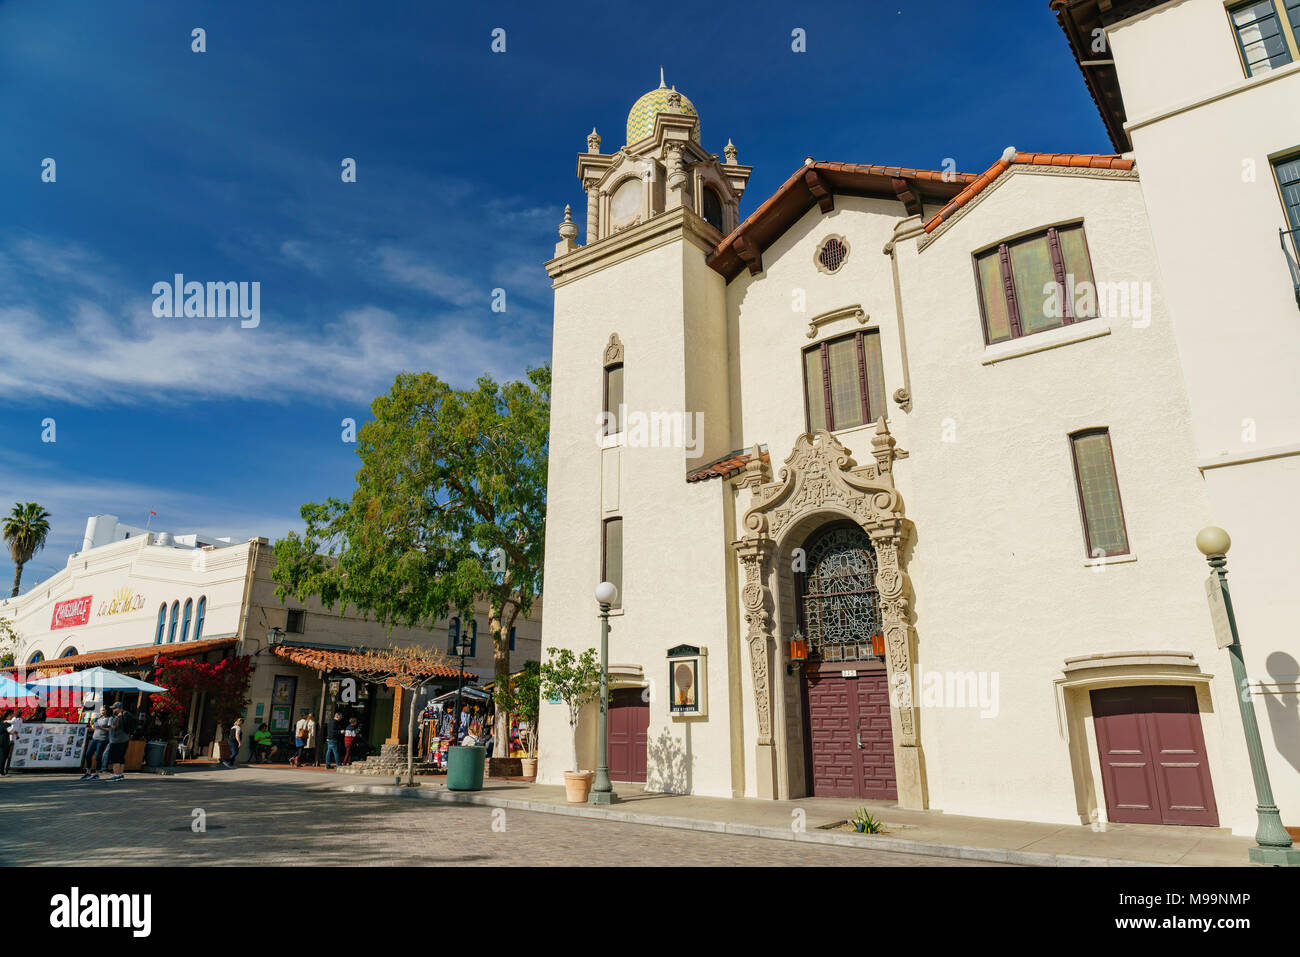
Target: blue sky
(225, 166)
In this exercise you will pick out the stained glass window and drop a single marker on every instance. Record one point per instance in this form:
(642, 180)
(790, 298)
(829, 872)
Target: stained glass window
(1103, 515)
(1018, 283)
(857, 381)
(997, 320)
(840, 602)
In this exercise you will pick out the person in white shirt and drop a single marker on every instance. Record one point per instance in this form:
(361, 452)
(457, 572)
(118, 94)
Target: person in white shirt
(299, 739)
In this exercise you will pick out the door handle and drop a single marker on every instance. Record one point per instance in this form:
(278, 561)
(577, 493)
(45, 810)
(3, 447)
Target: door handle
(859, 734)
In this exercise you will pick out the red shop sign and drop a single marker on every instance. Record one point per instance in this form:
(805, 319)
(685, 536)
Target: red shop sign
(68, 614)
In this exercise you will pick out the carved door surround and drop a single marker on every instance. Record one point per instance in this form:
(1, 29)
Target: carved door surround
(820, 482)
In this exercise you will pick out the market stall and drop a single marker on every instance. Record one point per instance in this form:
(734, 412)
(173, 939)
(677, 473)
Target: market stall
(438, 725)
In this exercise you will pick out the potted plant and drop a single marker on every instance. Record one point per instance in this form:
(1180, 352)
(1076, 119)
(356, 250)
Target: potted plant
(864, 823)
(528, 706)
(575, 680)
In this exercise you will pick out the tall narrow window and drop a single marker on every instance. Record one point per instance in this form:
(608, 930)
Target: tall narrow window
(612, 386)
(614, 399)
(162, 623)
(473, 638)
(171, 630)
(453, 636)
(512, 638)
(1036, 283)
(198, 618)
(844, 384)
(185, 624)
(611, 557)
(1099, 504)
(1266, 33)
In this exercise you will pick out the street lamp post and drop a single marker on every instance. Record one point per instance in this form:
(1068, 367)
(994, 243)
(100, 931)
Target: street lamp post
(602, 792)
(459, 647)
(1273, 843)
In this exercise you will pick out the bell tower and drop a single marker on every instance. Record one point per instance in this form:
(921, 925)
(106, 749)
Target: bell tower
(661, 166)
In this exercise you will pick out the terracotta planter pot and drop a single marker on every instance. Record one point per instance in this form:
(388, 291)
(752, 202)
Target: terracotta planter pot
(577, 785)
(528, 767)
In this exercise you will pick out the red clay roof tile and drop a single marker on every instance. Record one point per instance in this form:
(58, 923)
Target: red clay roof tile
(1072, 160)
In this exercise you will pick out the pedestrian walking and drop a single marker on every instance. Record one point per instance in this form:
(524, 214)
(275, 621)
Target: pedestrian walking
(234, 739)
(119, 733)
(350, 735)
(334, 741)
(299, 739)
(309, 749)
(5, 746)
(98, 744)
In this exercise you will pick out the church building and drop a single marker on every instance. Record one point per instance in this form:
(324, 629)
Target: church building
(898, 481)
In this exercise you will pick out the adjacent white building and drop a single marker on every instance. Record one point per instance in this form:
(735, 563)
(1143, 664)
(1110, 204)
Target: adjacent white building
(933, 430)
(123, 604)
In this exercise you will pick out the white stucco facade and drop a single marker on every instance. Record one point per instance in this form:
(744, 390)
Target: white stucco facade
(1204, 130)
(968, 489)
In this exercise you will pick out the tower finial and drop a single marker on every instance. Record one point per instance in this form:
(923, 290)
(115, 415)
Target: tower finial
(661, 78)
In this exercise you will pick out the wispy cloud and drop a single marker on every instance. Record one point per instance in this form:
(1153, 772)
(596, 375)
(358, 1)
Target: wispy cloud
(76, 349)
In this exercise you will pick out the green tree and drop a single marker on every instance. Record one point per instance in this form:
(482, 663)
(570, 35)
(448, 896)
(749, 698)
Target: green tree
(524, 693)
(449, 510)
(9, 642)
(575, 680)
(25, 530)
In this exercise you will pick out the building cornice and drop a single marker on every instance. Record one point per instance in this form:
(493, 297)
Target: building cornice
(676, 224)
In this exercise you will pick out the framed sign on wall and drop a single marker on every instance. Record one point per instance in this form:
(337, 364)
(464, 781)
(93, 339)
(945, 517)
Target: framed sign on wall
(688, 681)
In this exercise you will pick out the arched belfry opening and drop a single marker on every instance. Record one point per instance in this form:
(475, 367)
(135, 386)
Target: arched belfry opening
(824, 558)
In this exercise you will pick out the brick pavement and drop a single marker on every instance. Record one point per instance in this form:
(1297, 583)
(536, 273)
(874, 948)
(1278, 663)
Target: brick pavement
(52, 819)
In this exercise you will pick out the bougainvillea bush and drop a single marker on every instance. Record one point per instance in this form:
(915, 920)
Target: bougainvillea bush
(226, 683)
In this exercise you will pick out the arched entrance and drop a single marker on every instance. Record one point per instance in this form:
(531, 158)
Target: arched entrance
(848, 738)
(819, 484)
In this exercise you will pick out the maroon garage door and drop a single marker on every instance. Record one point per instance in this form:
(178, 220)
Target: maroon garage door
(629, 725)
(1153, 763)
(851, 746)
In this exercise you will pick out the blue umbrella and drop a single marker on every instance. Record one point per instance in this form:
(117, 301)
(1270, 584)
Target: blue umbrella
(12, 689)
(95, 679)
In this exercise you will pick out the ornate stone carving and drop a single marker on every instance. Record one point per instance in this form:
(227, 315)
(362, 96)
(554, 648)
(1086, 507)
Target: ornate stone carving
(755, 598)
(673, 160)
(613, 350)
(593, 141)
(729, 151)
(820, 476)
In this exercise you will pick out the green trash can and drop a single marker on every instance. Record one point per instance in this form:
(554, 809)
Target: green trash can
(154, 753)
(465, 768)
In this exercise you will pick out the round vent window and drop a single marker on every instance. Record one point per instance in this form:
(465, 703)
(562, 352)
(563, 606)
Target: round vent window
(832, 253)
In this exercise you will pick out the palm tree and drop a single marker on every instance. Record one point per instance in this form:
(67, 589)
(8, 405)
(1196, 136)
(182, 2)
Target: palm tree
(25, 529)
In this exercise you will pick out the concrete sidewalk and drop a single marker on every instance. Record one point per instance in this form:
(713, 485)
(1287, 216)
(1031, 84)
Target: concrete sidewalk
(812, 820)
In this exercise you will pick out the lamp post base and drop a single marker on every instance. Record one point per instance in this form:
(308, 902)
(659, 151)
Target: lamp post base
(602, 797)
(1274, 856)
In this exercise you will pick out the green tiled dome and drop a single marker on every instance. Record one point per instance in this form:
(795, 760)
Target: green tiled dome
(641, 120)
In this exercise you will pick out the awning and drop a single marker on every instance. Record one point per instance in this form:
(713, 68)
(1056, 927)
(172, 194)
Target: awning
(340, 659)
(142, 655)
(468, 694)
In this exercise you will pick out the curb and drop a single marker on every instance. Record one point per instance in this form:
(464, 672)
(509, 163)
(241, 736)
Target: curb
(997, 855)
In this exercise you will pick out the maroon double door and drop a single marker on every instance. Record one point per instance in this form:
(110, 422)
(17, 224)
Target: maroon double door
(849, 742)
(629, 727)
(1153, 764)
